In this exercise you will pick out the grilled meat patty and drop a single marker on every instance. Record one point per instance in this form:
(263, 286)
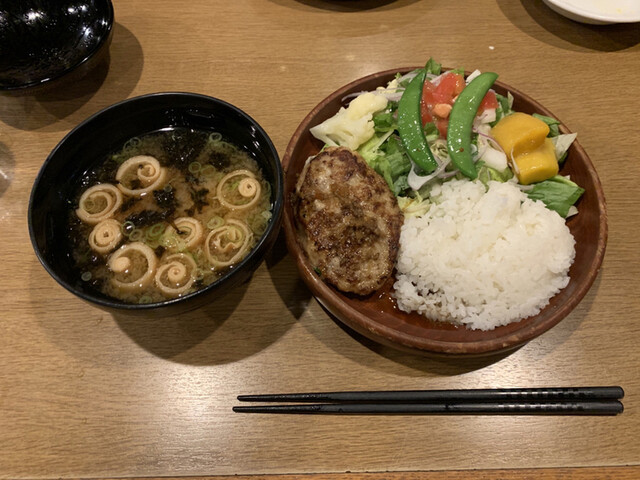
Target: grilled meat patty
(348, 221)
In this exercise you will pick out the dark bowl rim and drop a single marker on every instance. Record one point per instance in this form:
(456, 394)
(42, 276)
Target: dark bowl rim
(335, 303)
(110, 18)
(278, 206)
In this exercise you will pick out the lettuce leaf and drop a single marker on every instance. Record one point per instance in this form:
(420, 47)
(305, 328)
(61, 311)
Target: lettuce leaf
(384, 121)
(388, 160)
(486, 174)
(504, 107)
(433, 67)
(558, 194)
(554, 125)
(431, 132)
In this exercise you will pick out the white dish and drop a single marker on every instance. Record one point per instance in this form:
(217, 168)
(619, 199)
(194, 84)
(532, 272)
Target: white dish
(597, 12)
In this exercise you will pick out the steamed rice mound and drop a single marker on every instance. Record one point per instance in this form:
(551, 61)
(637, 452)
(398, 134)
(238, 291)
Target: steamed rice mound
(482, 258)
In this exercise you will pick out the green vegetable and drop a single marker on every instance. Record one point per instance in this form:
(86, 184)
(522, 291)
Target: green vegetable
(387, 158)
(461, 120)
(410, 125)
(433, 67)
(554, 129)
(136, 235)
(504, 107)
(486, 174)
(384, 121)
(155, 231)
(558, 193)
(431, 132)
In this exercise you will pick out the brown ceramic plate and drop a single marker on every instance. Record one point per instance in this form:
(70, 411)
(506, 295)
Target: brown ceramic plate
(376, 316)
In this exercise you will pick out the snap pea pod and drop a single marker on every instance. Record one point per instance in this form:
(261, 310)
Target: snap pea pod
(461, 121)
(410, 125)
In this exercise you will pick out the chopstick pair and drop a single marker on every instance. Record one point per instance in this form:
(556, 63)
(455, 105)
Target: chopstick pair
(503, 401)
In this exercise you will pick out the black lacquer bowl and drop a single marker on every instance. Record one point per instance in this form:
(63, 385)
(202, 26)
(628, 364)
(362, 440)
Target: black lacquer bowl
(105, 132)
(43, 42)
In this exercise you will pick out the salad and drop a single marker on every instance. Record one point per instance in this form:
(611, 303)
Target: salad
(430, 125)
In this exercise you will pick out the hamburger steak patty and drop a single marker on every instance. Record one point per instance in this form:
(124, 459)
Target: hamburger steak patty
(348, 221)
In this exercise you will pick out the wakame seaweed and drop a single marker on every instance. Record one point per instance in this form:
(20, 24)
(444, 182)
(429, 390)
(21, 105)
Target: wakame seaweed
(199, 198)
(165, 198)
(182, 147)
(147, 218)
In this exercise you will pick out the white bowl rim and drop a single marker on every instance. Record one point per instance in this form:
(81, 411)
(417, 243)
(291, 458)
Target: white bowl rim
(580, 13)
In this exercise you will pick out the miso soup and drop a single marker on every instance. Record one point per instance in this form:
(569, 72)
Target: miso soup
(168, 214)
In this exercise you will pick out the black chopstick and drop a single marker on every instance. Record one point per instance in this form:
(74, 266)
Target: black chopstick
(494, 395)
(497, 401)
(605, 407)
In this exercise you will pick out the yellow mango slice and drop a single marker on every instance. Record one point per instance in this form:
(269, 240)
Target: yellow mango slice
(519, 132)
(538, 164)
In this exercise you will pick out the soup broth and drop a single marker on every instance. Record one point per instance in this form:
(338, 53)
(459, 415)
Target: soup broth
(168, 214)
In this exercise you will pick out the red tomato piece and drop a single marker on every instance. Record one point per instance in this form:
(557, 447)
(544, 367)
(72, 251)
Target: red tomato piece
(488, 102)
(426, 103)
(450, 86)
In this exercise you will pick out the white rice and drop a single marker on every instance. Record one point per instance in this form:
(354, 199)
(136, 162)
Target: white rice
(482, 258)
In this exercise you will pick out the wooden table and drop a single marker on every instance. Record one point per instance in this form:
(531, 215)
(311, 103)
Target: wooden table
(87, 394)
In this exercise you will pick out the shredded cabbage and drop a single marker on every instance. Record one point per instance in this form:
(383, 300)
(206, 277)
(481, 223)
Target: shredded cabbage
(562, 143)
(351, 126)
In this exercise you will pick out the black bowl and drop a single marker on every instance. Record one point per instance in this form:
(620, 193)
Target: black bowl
(43, 41)
(89, 143)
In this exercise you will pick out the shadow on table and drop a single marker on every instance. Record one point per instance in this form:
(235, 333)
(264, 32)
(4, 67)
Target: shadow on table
(350, 5)
(115, 77)
(225, 331)
(283, 15)
(554, 29)
(442, 365)
(7, 166)
(177, 338)
(296, 296)
(221, 332)
(286, 279)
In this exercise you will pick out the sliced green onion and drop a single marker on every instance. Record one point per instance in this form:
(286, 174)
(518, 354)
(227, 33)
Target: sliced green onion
(145, 299)
(215, 137)
(136, 235)
(127, 227)
(152, 243)
(195, 167)
(168, 241)
(215, 222)
(131, 143)
(86, 276)
(155, 230)
(208, 171)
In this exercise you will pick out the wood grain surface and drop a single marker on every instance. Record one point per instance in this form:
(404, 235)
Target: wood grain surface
(84, 394)
(592, 473)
